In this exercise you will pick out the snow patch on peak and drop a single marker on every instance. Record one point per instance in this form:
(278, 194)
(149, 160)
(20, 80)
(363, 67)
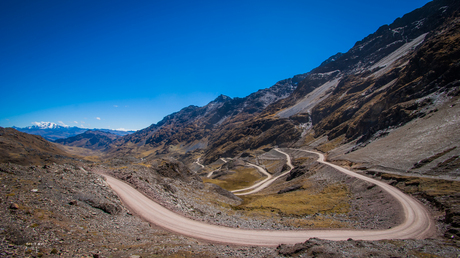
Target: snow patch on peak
(125, 130)
(47, 125)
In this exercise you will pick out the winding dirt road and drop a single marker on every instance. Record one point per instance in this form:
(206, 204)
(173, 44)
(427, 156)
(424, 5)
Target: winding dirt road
(267, 181)
(417, 223)
(210, 173)
(258, 186)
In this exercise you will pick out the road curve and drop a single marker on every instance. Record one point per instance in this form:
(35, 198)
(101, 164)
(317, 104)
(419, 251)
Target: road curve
(210, 173)
(258, 185)
(267, 181)
(417, 223)
(198, 163)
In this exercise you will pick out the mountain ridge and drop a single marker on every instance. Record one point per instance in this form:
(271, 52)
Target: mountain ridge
(27, 149)
(90, 139)
(347, 97)
(192, 125)
(52, 131)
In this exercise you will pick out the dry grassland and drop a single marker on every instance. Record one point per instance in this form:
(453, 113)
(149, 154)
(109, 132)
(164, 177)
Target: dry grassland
(240, 177)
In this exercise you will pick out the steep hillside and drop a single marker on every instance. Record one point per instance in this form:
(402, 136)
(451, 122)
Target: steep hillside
(401, 72)
(25, 149)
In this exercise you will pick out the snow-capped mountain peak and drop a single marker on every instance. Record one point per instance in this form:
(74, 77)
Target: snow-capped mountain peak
(46, 125)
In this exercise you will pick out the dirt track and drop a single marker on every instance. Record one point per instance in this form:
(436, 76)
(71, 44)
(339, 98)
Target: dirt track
(417, 223)
(267, 181)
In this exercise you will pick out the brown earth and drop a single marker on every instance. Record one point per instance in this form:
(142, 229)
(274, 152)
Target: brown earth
(25, 149)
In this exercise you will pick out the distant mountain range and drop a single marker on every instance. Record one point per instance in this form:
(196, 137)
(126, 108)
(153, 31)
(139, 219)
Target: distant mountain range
(91, 139)
(52, 131)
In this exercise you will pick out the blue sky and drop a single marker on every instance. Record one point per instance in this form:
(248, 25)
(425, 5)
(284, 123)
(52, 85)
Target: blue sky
(127, 64)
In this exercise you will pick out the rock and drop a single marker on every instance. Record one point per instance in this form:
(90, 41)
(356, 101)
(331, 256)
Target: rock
(291, 250)
(290, 189)
(109, 208)
(73, 202)
(453, 216)
(223, 192)
(14, 206)
(101, 204)
(296, 172)
(169, 188)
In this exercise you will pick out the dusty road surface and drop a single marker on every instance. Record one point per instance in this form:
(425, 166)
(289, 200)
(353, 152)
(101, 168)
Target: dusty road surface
(267, 181)
(258, 186)
(417, 223)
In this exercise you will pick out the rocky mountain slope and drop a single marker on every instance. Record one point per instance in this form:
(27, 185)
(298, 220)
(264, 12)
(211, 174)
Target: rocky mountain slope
(191, 127)
(22, 148)
(400, 73)
(69, 211)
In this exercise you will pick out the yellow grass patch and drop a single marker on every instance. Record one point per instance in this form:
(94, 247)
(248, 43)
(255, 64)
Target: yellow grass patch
(330, 145)
(144, 165)
(79, 151)
(433, 187)
(316, 222)
(272, 166)
(118, 168)
(149, 151)
(308, 139)
(332, 199)
(92, 158)
(241, 178)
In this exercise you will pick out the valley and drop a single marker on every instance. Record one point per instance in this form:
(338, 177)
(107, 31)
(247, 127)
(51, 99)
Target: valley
(358, 157)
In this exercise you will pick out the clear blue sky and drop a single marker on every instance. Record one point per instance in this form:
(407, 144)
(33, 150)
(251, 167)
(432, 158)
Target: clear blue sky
(127, 64)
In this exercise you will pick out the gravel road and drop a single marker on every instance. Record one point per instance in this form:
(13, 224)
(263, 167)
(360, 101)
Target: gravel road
(417, 223)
